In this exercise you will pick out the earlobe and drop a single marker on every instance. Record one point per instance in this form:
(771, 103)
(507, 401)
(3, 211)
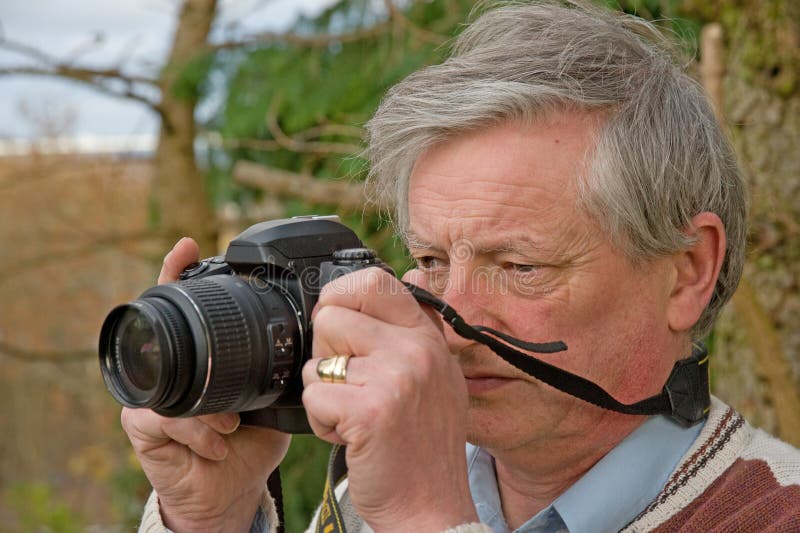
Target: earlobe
(697, 269)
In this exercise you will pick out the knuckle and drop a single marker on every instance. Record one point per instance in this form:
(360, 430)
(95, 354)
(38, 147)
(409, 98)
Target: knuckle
(377, 280)
(308, 395)
(332, 290)
(323, 317)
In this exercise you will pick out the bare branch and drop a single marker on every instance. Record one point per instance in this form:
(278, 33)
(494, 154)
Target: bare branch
(53, 356)
(396, 15)
(344, 130)
(96, 78)
(214, 138)
(345, 195)
(396, 18)
(92, 78)
(308, 41)
(67, 69)
(298, 144)
(85, 47)
(28, 51)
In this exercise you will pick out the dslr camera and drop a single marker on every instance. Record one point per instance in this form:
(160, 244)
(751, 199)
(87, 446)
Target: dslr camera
(234, 332)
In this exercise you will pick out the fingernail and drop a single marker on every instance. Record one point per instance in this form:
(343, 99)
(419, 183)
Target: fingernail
(221, 449)
(232, 421)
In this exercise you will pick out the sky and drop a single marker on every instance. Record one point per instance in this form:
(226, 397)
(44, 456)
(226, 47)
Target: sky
(106, 33)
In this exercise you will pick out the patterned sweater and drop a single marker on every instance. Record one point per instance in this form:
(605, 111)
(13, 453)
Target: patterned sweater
(734, 478)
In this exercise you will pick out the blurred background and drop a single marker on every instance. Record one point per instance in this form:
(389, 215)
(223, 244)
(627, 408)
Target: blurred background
(126, 125)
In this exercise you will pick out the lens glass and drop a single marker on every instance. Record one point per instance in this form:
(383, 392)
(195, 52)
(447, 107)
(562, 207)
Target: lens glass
(139, 350)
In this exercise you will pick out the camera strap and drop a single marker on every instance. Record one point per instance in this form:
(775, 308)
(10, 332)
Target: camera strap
(330, 519)
(685, 397)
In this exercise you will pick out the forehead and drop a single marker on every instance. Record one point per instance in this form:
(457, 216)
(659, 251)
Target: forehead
(503, 183)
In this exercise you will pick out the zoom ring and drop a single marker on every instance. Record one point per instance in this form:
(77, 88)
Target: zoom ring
(231, 345)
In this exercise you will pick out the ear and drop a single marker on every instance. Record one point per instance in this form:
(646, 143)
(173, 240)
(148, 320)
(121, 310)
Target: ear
(696, 272)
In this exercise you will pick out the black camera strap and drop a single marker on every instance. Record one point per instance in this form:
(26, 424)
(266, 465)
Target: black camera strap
(685, 397)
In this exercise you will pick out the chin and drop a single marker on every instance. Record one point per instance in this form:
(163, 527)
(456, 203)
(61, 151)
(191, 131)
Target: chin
(496, 429)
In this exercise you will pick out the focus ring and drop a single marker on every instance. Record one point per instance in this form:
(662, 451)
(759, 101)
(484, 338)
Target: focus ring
(176, 333)
(230, 344)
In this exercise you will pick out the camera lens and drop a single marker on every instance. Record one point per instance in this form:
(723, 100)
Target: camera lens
(202, 346)
(145, 352)
(140, 351)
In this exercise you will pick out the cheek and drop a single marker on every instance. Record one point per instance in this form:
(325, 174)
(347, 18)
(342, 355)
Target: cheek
(613, 332)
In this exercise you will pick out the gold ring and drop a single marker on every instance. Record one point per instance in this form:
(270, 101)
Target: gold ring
(333, 369)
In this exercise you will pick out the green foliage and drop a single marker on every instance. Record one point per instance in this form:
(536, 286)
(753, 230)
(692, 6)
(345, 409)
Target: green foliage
(340, 83)
(305, 87)
(193, 78)
(667, 14)
(37, 508)
(764, 35)
(129, 489)
(303, 477)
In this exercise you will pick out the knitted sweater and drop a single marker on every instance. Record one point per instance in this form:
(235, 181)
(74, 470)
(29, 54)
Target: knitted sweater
(734, 478)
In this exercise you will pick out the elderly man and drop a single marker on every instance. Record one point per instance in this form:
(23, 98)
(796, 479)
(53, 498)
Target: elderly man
(558, 177)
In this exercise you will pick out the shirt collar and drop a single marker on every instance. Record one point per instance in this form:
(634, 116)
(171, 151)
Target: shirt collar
(609, 496)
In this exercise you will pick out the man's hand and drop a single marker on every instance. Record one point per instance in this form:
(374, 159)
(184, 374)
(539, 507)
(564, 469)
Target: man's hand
(208, 474)
(402, 412)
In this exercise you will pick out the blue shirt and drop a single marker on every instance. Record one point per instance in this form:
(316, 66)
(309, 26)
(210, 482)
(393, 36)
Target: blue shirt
(608, 497)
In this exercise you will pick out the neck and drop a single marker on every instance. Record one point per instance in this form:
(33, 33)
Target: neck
(531, 477)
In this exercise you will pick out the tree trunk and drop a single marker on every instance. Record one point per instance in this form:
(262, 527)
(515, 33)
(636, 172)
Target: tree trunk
(179, 204)
(758, 336)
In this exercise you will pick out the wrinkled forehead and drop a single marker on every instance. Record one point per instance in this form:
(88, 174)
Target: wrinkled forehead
(513, 179)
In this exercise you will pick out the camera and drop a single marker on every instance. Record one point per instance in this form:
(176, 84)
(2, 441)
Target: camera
(234, 332)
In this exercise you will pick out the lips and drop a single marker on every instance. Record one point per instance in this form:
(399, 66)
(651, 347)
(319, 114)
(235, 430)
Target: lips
(477, 367)
(481, 384)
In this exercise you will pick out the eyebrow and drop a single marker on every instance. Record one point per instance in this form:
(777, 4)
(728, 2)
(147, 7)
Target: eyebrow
(526, 244)
(412, 240)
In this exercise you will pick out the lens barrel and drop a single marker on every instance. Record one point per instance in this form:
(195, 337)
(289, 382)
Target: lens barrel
(200, 346)
(145, 353)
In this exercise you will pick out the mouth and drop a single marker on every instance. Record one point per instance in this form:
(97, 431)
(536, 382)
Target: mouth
(481, 373)
(482, 384)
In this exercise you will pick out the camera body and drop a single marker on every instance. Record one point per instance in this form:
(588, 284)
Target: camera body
(234, 332)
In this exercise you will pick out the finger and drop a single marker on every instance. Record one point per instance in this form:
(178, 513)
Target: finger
(147, 430)
(224, 423)
(143, 427)
(416, 277)
(325, 405)
(343, 331)
(374, 292)
(358, 370)
(201, 438)
(184, 253)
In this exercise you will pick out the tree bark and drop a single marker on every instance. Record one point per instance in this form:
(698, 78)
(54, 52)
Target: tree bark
(179, 204)
(756, 363)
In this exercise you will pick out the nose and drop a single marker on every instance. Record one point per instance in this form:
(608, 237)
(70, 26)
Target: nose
(454, 293)
(468, 301)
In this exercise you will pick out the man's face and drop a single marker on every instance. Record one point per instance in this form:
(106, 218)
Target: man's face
(495, 230)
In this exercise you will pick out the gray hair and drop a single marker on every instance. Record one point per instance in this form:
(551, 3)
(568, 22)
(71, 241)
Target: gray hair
(660, 158)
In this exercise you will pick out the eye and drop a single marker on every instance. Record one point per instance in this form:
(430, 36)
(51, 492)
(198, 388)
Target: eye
(519, 268)
(429, 262)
